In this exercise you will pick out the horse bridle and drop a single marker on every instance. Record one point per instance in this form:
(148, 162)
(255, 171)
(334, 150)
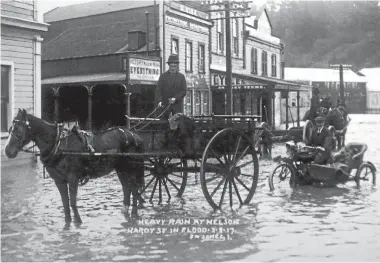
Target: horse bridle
(19, 139)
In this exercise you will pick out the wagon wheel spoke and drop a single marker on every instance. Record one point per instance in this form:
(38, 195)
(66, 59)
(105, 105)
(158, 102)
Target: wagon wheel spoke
(176, 175)
(154, 190)
(167, 189)
(148, 175)
(230, 190)
(215, 167)
(223, 193)
(237, 192)
(216, 176)
(242, 183)
(243, 153)
(147, 185)
(236, 150)
(246, 175)
(245, 164)
(173, 184)
(160, 191)
(216, 156)
(230, 143)
(168, 159)
(218, 186)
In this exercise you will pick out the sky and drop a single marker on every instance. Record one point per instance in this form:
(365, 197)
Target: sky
(47, 5)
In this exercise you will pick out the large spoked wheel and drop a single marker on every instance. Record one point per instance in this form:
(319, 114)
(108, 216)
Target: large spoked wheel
(366, 175)
(229, 169)
(282, 177)
(307, 131)
(164, 177)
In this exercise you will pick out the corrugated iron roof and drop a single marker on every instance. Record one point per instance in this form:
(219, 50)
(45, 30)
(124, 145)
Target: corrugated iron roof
(92, 8)
(92, 41)
(373, 78)
(321, 75)
(88, 78)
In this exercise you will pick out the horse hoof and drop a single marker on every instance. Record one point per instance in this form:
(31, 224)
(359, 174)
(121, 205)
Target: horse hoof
(66, 226)
(125, 209)
(134, 211)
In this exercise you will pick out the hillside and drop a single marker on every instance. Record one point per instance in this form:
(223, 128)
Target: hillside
(319, 33)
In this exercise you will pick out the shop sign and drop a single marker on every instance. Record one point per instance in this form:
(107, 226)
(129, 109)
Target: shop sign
(196, 80)
(240, 87)
(188, 10)
(186, 24)
(144, 69)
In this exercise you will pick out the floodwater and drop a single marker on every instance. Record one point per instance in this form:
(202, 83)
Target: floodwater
(305, 224)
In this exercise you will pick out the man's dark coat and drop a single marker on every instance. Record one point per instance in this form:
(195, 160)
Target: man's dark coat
(171, 85)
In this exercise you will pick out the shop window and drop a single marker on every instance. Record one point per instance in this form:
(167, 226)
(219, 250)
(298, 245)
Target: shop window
(197, 103)
(220, 37)
(124, 63)
(187, 105)
(264, 63)
(174, 46)
(254, 61)
(248, 103)
(5, 97)
(274, 65)
(189, 57)
(205, 102)
(201, 58)
(236, 103)
(235, 31)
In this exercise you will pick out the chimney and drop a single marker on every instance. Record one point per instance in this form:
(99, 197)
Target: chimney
(136, 40)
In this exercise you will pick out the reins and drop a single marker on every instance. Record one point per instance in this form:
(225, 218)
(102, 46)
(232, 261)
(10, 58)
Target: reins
(150, 121)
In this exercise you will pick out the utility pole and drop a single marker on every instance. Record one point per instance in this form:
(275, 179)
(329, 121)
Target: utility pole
(341, 67)
(243, 10)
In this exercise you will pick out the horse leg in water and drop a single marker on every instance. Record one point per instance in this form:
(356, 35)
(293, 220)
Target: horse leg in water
(61, 184)
(126, 191)
(73, 190)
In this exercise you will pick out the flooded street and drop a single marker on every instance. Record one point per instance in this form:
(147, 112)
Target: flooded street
(305, 224)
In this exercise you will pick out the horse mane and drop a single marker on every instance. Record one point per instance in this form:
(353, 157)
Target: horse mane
(34, 118)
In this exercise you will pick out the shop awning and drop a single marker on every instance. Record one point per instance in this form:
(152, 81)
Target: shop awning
(89, 78)
(279, 84)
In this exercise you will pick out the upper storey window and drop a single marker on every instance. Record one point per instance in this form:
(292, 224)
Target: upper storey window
(235, 30)
(219, 34)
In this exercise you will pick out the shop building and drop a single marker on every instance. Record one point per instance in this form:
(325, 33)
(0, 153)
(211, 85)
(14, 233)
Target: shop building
(373, 89)
(327, 80)
(21, 29)
(186, 33)
(92, 45)
(257, 70)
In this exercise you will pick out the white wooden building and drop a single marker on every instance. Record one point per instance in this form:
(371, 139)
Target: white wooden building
(21, 29)
(373, 89)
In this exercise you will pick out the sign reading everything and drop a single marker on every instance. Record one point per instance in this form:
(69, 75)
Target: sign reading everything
(144, 69)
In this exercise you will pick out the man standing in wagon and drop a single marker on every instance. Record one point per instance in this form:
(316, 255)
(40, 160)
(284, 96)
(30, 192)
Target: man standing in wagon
(171, 88)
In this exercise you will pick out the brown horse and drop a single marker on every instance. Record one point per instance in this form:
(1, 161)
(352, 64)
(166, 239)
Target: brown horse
(67, 170)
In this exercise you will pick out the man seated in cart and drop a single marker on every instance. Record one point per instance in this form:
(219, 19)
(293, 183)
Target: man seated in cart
(322, 137)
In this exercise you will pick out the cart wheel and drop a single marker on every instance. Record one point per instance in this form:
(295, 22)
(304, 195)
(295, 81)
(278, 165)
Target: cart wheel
(283, 176)
(366, 175)
(229, 161)
(165, 176)
(307, 131)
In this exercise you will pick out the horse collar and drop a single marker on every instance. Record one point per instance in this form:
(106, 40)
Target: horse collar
(50, 157)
